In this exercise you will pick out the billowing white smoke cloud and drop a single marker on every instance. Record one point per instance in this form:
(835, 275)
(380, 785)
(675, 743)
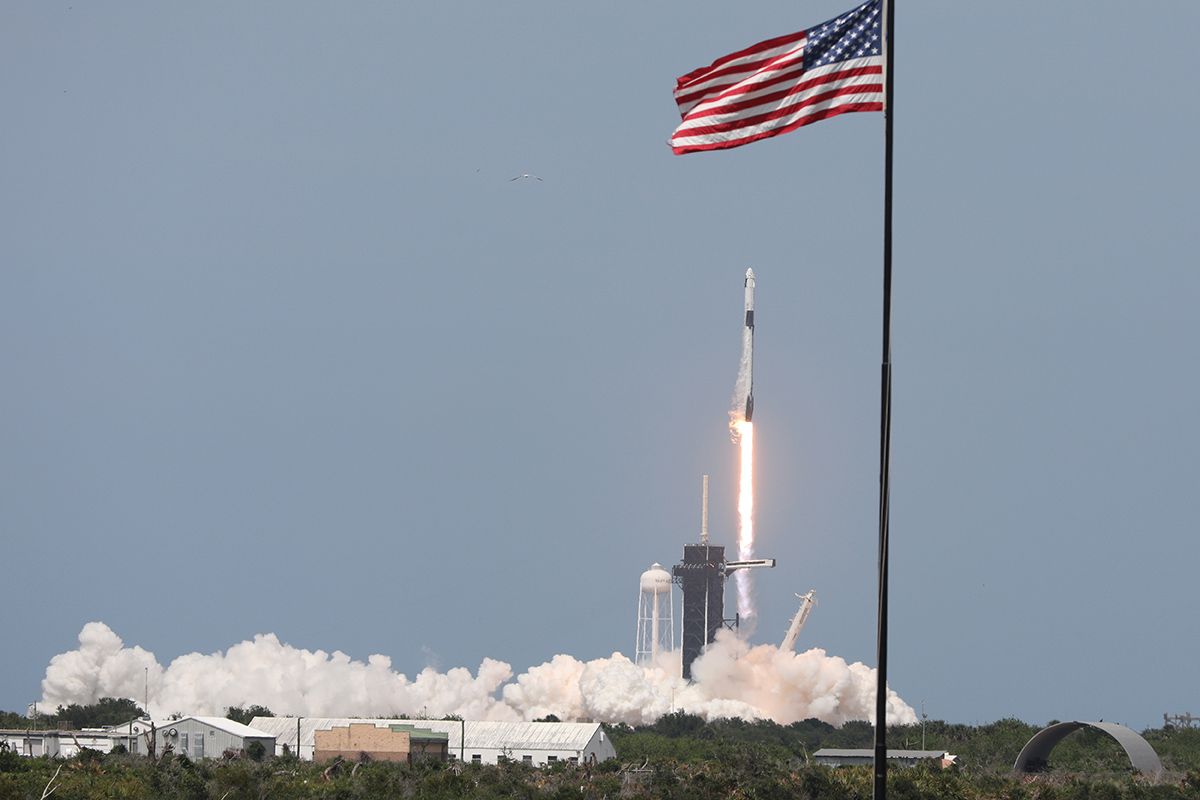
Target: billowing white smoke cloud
(265, 671)
(732, 679)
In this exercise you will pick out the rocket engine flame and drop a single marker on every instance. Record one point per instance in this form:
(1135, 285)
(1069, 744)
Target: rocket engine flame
(743, 432)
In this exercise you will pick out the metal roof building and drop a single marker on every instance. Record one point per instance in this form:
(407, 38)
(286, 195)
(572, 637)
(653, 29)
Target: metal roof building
(209, 737)
(832, 757)
(64, 743)
(534, 743)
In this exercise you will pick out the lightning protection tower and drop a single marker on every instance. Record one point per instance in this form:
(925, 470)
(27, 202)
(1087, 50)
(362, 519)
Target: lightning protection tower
(656, 615)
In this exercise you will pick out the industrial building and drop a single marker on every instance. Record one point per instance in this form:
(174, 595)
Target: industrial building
(197, 737)
(405, 743)
(210, 737)
(831, 757)
(65, 743)
(136, 732)
(533, 743)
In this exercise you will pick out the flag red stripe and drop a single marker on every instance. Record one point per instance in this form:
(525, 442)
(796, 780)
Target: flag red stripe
(778, 113)
(799, 88)
(742, 87)
(826, 114)
(701, 72)
(779, 62)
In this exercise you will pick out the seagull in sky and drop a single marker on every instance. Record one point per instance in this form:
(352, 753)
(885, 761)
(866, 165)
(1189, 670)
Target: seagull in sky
(525, 176)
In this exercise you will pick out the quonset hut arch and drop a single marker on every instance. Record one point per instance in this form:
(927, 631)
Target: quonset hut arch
(1036, 751)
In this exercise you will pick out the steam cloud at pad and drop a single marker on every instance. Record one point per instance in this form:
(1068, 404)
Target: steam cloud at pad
(731, 679)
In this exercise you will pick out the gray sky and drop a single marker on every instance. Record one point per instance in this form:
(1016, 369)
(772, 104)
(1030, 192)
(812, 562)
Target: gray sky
(284, 350)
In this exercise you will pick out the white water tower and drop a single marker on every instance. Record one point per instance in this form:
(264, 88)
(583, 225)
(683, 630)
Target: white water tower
(656, 615)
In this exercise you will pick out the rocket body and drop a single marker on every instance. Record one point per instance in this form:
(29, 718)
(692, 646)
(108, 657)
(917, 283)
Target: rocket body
(748, 346)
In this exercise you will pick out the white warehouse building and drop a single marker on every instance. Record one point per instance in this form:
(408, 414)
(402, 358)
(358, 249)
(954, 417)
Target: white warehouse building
(533, 743)
(198, 737)
(64, 744)
(210, 737)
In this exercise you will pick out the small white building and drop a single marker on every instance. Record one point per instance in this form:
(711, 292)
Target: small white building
(533, 743)
(30, 743)
(135, 733)
(63, 743)
(198, 737)
(210, 737)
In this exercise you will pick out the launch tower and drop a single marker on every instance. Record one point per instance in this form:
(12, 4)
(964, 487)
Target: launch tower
(701, 576)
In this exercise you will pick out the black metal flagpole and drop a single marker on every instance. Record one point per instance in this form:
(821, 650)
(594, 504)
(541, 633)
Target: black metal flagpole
(885, 406)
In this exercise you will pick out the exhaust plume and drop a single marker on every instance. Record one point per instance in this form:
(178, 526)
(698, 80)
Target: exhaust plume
(742, 429)
(732, 678)
(743, 436)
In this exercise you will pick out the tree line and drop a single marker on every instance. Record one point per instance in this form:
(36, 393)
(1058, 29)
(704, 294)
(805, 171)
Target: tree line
(990, 748)
(103, 713)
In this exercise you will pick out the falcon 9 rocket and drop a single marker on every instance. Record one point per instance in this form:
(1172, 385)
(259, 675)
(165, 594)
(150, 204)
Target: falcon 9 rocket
(742, 431)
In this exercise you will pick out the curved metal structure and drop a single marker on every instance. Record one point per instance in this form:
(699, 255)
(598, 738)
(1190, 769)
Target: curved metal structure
(1036, 751)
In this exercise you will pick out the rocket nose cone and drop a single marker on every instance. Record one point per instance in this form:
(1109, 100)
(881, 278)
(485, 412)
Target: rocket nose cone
(750, 273)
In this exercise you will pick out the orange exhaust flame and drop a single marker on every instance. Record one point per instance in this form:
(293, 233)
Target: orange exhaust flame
(743, 435)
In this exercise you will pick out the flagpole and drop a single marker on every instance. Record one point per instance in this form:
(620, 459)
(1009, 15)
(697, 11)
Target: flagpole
(885, 408)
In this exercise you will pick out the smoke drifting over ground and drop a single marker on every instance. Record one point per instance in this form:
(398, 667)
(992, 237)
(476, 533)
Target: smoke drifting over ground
(732, 679)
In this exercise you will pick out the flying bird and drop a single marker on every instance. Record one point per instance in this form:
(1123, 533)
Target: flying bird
(525, 176)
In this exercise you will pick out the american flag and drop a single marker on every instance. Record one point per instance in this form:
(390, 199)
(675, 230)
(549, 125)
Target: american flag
(781, 84)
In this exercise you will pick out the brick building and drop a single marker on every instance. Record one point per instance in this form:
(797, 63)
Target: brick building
(395, 742)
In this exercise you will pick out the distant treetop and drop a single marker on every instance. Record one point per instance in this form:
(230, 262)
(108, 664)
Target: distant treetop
(244, 715)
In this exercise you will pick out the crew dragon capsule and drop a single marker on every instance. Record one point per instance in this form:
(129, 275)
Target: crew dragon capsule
(748, 344)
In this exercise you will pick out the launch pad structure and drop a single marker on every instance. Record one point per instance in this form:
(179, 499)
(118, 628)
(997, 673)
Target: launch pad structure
(701, 577)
